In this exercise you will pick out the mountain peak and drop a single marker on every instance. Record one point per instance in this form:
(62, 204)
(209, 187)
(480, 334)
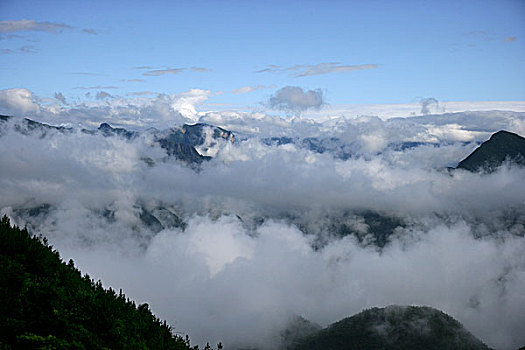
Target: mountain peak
(394, 327)
(502, 146)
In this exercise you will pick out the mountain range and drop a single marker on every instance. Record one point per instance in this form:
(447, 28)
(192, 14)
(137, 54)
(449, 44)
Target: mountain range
(191, 144)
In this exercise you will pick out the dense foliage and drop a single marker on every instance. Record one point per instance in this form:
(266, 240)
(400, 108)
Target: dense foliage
(394, 327)
(47, 304)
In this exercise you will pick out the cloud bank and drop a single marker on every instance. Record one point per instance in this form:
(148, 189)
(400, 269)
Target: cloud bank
(264, 222)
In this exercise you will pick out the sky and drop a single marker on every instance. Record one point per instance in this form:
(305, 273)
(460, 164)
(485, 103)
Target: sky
(242, 52)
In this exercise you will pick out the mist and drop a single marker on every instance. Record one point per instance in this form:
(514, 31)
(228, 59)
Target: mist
(259, 242)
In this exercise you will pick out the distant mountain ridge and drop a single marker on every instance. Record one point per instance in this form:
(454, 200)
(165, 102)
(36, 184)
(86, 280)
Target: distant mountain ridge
(181, 143)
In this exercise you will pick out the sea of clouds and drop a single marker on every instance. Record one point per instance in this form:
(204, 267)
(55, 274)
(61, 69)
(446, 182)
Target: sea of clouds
(248, 258)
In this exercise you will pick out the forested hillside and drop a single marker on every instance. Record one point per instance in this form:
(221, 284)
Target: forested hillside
(48, 304)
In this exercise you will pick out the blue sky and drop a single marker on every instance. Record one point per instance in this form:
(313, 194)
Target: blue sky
(353, 51)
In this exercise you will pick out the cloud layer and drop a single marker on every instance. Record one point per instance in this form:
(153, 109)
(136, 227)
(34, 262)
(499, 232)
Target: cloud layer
(250, 256)
(263, 220)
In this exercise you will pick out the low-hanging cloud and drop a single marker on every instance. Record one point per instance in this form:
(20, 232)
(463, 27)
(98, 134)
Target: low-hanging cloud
(426, 104)
(101, 95)
(295, 99)
(246, 261)
(138, 109)
(20, 101)
(60, 97)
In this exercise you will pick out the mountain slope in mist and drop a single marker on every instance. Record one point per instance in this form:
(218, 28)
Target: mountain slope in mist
(189, 143)
(394, 328)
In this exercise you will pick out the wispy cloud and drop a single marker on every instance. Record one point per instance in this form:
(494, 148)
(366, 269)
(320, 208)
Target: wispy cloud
(247, 89)
(95, 87)
(23, 50)
(484, 35)
(302, 70)
(12, 36)
(429, 103)
(26, 25)
(88, 74)
(102, 95)
(59, 96)
(141, 93)
(159, 72)
(510, 39)
(32, 25)
(151, 72)
(200, 69)
(132, 80)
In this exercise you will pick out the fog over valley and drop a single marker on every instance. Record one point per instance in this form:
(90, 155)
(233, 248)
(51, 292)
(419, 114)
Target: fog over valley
(232, 227)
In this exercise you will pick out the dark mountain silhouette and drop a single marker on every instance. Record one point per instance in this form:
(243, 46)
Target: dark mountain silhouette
(393, 327)
(491, 154)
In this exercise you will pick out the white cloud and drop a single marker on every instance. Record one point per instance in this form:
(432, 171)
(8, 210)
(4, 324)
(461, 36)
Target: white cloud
(295, 99)
(186, 102)
(18, 101)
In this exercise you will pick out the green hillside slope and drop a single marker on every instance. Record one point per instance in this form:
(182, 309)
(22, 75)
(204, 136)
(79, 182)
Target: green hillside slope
(47, 304)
